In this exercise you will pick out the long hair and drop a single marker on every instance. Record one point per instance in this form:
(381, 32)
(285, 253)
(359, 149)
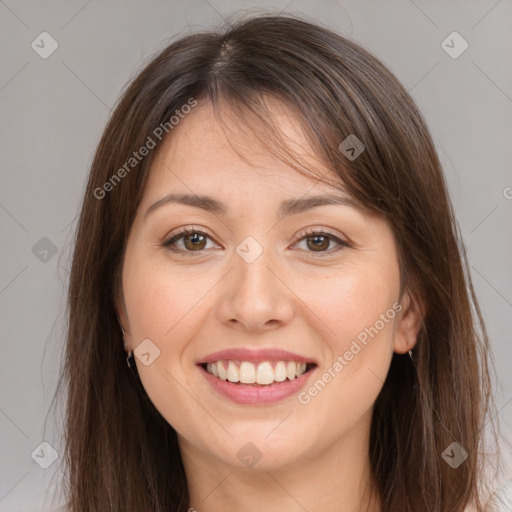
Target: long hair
(120, 454)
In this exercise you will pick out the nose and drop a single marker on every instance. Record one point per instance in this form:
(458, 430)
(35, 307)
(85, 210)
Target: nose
(254, 297)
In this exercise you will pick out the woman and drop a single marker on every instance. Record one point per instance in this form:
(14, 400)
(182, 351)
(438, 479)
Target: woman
(267, 236)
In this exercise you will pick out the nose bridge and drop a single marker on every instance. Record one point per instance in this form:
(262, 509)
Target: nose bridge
(253, 258)
(252, 262)
(254, 295)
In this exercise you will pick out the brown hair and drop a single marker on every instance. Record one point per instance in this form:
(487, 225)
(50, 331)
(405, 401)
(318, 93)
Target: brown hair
(120, 453)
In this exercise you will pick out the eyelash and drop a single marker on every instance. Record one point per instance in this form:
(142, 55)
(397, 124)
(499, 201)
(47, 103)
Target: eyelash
(174, 237)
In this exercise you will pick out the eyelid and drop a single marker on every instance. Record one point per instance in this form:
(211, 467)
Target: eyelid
(342, 241)
(315, 230)
(179, 232)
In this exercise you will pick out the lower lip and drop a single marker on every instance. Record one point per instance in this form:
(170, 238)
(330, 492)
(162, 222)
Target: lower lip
(245, 394)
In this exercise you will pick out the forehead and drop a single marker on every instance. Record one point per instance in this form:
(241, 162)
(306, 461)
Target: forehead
(213, 153)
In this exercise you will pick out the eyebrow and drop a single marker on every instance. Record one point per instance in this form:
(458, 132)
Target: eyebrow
(288, 207)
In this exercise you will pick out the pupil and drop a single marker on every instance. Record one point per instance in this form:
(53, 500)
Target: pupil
(317, 241)
(194, 239)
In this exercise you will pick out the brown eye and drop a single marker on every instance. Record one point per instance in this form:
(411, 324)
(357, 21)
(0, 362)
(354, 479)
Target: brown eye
(318, 242)
(193, 241)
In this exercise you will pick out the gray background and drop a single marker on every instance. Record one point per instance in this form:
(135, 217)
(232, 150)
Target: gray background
(54, 111)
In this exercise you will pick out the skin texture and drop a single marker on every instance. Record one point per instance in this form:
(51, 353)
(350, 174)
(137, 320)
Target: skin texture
(314, 456)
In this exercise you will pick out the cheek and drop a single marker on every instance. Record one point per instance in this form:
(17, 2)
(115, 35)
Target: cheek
(355, 303)
(162, 304)
(359, 312)
(161, 300)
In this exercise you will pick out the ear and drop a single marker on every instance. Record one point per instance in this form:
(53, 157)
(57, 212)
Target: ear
(409, 323)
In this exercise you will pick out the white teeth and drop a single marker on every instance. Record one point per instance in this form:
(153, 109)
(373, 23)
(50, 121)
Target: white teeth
(291, 370)
(247, 373)
(223, 373)
(280, 372)
(233, 372)
(263, 373)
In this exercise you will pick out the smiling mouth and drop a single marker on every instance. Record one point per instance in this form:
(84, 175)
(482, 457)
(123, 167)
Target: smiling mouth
(264, 373)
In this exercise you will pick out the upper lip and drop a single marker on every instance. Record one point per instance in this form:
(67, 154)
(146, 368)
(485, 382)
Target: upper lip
(255, 356)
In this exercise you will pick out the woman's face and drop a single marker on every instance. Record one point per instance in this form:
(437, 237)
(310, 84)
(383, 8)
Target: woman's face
(263, 287)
